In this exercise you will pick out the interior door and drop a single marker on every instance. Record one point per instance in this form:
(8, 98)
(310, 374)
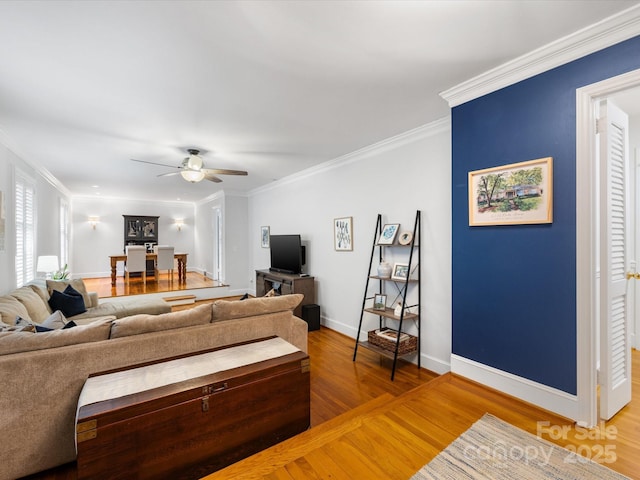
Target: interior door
(615, 338)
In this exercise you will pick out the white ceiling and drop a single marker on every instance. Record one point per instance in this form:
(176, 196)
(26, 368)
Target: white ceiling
(271, 87)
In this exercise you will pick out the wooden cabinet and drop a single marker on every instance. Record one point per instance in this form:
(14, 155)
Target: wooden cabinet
(141, 230)
(285, 284)
(390, 313)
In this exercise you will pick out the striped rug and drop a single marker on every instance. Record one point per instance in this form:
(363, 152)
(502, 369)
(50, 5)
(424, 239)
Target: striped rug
(493, 449)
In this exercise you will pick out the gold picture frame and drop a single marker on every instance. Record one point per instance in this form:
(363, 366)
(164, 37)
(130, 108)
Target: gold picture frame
(515, 194)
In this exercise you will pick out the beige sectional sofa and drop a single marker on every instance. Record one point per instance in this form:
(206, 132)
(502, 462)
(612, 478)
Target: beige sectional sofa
(31, 303)
(42, 374)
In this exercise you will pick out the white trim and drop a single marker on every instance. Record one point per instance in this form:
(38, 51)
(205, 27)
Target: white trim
(586, 267)
(428, 130)
(538, 394)
(614, 29)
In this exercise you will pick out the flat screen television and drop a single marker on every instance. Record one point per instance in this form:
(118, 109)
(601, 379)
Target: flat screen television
(286, 253)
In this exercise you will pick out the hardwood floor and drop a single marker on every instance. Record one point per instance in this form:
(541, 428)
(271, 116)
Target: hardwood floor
(393, 437)
(163, 284)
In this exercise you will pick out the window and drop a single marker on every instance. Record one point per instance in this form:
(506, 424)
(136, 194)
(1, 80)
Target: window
(64, 233)
(25, 228)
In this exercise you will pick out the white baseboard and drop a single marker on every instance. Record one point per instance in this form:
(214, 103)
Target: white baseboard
(532, 392)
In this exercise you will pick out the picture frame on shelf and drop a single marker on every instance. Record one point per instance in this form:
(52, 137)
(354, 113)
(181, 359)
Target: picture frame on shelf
(380, 301)
(265, 237)
(343, 234)
(400, 271)
(405, 238)
(388, 234)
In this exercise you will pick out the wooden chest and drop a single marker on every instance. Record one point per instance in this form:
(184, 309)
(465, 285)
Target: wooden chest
(197, 425)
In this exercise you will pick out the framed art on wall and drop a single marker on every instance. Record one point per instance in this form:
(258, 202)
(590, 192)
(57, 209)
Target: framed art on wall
(343, 234)
(264, 237)
(514, 194)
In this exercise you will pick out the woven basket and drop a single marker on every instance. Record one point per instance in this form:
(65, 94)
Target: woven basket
(408, 345)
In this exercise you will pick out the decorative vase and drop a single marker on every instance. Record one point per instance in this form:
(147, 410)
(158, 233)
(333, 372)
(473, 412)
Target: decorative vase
(384, 269)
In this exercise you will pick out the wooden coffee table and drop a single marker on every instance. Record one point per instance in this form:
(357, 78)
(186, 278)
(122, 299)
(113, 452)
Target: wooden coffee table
(188, 416)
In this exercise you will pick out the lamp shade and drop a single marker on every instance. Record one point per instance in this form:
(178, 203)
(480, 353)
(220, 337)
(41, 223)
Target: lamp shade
(47, 263)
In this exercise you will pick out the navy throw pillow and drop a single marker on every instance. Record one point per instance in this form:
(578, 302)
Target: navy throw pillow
(69, 302)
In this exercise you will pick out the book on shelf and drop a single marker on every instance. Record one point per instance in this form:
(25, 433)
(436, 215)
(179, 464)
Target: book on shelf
(391, 335)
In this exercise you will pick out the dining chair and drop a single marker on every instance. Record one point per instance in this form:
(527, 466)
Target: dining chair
(164, 260)
(136, 262)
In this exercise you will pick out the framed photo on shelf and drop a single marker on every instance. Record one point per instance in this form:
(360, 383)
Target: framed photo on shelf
(400, 271)
(343, 234)
(515, 194)
(379, 301)
(389, 233)
(264, 237)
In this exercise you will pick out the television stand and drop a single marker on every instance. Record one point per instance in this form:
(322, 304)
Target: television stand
(286, 284)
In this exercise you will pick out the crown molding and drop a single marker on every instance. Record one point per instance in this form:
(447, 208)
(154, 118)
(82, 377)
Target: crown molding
(615, 29)
(428, 130)
(39, 169)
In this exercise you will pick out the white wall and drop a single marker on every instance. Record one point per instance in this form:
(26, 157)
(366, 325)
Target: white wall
(395, 178)
(90, 248)
(235, 247)
(47, 216)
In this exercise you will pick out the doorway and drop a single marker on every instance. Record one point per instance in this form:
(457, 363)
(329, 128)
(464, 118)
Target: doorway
(587, 245)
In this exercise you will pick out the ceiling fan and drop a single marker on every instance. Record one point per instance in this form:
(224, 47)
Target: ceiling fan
(191, 169)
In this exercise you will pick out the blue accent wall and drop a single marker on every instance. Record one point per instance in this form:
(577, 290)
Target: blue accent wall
(514, 288)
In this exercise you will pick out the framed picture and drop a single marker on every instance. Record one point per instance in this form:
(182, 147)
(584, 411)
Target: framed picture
(343, 234)
(388, 235)
(400, 271)
(379, 301)
(264, 237)
(515, 194)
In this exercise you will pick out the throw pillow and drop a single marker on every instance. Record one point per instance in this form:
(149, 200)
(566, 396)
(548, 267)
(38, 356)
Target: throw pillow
(55, 320)
(68, 303)
(76, 283)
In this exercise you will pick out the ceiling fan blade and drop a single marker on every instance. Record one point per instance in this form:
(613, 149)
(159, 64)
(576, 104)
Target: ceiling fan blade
(213, 178)
(154, 163)
(168, 174)
(222, 171)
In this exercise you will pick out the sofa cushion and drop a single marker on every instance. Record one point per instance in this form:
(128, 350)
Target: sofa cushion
(10, 308)
(228, 310)
(69, 302)
(77, 284)
(15, 342)
(144, 323)
(36, 308)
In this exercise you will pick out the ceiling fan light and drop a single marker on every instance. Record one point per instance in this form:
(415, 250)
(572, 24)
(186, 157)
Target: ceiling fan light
(194, 162)
(192, 176)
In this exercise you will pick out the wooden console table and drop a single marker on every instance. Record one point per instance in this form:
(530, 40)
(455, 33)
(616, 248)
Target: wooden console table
(181, 257)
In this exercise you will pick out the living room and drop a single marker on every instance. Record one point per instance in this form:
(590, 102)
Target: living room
(422, 169)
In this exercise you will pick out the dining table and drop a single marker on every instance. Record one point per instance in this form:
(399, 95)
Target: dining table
(122, 257)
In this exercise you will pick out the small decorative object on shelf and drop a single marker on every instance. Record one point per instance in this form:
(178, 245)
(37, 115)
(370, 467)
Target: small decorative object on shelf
(405, 238)
(398, 332)
(384, 269)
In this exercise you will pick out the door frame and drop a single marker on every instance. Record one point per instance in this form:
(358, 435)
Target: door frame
(586, 231)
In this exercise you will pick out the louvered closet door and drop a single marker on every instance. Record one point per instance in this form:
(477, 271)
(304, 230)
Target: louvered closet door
(615, 346)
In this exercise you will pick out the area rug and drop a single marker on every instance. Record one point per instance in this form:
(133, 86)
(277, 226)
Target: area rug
(493, 449)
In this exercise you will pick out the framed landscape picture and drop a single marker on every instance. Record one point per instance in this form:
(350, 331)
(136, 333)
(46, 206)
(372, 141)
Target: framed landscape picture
(343, 234)
(379, 301)
(515, 194)
(400, 271)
